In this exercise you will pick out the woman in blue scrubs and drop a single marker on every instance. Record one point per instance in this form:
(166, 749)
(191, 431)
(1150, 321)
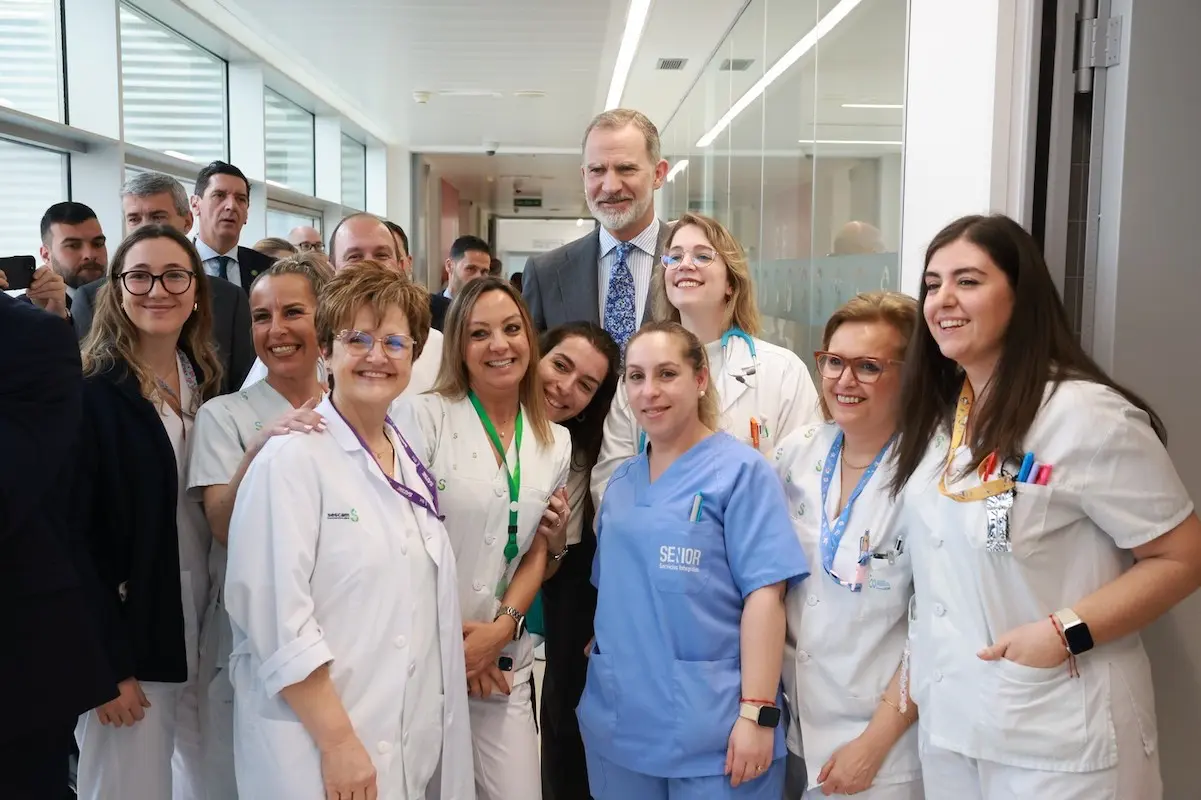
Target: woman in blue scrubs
(695, 551)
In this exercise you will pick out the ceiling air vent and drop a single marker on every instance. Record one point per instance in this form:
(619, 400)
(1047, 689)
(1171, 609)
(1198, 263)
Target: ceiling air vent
(736, 65)
(671, 63)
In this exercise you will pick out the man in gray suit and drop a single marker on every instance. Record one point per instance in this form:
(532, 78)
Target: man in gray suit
(605, 277)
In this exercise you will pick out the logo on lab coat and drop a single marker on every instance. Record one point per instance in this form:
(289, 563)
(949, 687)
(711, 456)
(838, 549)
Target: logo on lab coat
(680, 559)
(442, 484)
(352, 516)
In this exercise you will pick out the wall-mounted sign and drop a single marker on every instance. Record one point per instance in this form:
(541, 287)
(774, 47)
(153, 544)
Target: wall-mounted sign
(527, 202)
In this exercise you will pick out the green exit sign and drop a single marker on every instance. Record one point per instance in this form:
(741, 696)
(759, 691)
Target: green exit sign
(527, 202)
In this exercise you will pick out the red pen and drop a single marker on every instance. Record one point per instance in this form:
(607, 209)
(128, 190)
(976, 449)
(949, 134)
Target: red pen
(989, 464)
(1044, 475)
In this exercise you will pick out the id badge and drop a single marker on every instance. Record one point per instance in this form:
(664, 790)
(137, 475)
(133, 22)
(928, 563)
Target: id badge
(998, 507)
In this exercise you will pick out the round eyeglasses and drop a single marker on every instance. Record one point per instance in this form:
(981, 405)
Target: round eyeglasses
(139, 282)
(865, 369)
(700, 258)
(360, 343)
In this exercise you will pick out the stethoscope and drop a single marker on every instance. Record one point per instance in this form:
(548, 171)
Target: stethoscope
(740, 376)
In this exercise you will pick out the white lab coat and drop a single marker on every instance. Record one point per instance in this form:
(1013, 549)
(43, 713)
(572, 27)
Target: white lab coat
(474, 494)
(843, 647)
(319, 556)
(780, 395)
(1112, 488)
(425, 368)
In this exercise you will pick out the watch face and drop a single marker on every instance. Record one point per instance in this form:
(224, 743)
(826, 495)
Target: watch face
(769, 717)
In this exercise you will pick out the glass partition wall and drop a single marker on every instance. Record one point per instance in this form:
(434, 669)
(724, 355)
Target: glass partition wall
(792, 138)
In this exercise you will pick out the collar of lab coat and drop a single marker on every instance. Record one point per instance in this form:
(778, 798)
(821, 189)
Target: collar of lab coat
(737, 358)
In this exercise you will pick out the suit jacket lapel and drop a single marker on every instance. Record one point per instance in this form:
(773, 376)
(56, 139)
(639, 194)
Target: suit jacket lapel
(579, 285)
(648, 312)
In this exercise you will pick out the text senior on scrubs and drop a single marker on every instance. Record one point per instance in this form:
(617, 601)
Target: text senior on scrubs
(1047, 527)
(579, 374)
(347, 661)
(694, 553)
(230, 431)
(498, 460)
(764, 391)
(847, 625)
(148, 365)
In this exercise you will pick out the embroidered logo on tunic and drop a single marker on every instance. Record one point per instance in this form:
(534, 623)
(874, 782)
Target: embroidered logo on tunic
(351, 516)
(258, 426)
(442, 484)
(680, 559)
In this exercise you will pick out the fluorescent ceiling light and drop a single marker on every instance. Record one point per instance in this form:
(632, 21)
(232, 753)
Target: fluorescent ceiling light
(677, 169)
(873, 105)
(847, 141)
(184, 156)
(635, 22)
(807, 43)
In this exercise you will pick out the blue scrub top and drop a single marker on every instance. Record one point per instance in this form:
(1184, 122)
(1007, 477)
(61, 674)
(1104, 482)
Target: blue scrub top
(664, 679)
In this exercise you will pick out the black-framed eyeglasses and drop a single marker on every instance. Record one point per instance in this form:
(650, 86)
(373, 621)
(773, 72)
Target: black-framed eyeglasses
(311, 247)
(360, 343)
(865, 369)
(140, 282)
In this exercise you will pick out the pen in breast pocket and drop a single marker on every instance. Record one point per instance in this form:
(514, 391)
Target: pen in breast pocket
(697, 502)
(755, 433)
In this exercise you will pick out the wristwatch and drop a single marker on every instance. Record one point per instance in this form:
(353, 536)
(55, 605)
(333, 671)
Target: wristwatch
(517, 616)
(763, 716)
(1077, 634)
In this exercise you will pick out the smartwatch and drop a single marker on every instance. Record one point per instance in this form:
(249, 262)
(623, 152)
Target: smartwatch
(1077, 634)
(517, 616)
(763, 716)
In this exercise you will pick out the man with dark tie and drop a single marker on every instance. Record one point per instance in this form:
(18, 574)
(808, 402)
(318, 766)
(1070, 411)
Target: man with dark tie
(221, 203)
(605, 277)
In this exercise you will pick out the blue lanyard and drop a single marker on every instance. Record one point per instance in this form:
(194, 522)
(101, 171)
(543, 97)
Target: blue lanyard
(831, 537)
(426, 476)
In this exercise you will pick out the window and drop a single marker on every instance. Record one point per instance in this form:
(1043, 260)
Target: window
(290, 144)
(280, 223)
(31, 180)
(173, 91)
(30, 74)
(354, 173)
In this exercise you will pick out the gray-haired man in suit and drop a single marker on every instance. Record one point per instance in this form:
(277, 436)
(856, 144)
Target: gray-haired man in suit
(605, 277)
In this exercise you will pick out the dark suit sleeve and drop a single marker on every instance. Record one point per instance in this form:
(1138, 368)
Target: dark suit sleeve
(81, 310)
(532, 293)
(241, 349)
(39, 409)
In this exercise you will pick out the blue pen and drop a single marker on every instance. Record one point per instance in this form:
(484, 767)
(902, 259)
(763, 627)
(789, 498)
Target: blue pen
(1027, 465)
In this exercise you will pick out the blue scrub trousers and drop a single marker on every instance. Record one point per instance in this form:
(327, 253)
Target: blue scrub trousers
(608, 781)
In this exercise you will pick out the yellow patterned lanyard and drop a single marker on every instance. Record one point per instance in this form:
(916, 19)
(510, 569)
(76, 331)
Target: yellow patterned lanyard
(999, 485)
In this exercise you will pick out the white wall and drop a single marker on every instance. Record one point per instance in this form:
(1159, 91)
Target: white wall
(967, 117)
(1148, 284)
(537, 235)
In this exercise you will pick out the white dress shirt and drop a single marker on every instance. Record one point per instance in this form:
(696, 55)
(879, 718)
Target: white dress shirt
(641, 261)
(208, 259)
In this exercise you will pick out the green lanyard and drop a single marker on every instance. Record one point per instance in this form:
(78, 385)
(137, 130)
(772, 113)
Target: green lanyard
(513, 477)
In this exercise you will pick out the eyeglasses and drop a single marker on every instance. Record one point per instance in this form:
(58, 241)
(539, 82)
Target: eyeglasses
(360, 344)
(700, 258)
(311, 247)
(866, 370)
(140, 282)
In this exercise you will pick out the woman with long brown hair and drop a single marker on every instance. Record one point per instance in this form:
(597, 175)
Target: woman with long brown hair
(498, 460)
(1047, 527)
(148, 366)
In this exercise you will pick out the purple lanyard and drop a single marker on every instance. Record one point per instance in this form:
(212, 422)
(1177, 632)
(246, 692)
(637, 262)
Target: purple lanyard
(404, 491)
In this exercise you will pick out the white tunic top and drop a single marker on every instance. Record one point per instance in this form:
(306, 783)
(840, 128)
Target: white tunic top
(780, 395)
(843, 647)
(475, 499)
(328, 564)
(1112, 488)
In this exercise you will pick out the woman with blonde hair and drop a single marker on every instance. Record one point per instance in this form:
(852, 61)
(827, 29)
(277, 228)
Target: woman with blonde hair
(847, 624)
(148, 365)
(704, 283)
(347, 661)
(498, 459)
(694, 555)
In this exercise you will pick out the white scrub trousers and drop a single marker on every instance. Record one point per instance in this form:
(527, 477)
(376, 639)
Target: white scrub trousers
(505, 746)
(156, 759)
(951, 776)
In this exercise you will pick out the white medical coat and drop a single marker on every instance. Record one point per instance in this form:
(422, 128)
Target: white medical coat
(316, 575)
(1112, 488)
(780, 395)
(842, 647)
(475, 499)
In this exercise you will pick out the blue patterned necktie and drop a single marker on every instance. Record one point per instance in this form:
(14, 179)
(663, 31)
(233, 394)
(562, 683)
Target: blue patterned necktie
(223, 267)
(620, 300)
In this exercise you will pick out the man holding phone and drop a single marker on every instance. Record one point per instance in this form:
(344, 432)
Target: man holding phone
(74, 252)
